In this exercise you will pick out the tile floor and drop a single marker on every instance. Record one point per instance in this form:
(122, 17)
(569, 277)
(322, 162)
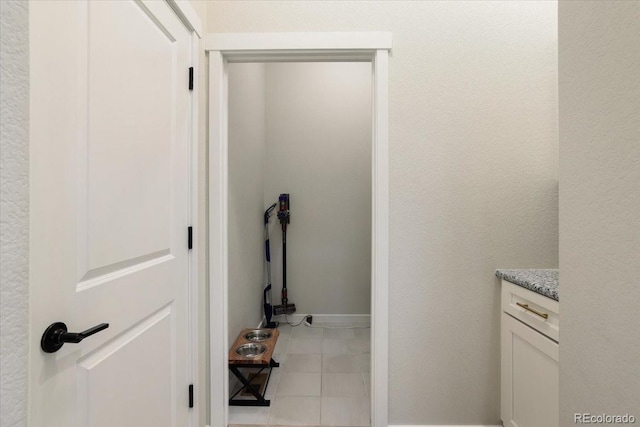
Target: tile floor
(323, 379)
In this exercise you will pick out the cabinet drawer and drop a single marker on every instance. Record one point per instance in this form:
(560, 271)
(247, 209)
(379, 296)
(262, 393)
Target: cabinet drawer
(531, 309)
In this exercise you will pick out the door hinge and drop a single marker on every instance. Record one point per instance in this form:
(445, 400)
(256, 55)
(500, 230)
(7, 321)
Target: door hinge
(190, 395)
(190, 237)
(190, 78)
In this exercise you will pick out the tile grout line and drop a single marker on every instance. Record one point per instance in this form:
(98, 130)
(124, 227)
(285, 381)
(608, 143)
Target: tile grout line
(321, 371)
(321, 376)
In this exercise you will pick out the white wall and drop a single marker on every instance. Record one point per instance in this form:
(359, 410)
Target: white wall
(473, 178)
(599, 59)
(318, 137)
(246, 202)
(14, 211)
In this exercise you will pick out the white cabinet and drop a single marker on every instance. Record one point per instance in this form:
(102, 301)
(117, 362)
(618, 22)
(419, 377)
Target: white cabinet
(529, 366)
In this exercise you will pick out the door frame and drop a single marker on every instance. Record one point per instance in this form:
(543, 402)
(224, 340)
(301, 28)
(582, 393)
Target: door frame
(191, 20)
(223, 48)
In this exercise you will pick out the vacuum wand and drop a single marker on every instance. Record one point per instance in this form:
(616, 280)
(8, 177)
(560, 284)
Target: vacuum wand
(284, 216)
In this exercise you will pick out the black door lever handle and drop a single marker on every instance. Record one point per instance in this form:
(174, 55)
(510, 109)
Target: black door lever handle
(56, 335)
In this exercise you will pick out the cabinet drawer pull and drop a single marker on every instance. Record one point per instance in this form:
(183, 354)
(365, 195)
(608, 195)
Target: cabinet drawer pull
(526, 307)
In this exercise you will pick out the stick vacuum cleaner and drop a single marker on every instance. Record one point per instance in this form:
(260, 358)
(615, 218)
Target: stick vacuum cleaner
(268, 308)
(284, 215)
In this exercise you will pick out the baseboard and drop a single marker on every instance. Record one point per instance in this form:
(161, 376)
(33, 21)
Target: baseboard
(432, 425)
(328, 318)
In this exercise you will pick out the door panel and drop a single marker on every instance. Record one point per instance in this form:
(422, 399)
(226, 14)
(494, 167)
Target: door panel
(131, 57)
(114, 370)
(535, 385)
(109, 212)
(529, 376)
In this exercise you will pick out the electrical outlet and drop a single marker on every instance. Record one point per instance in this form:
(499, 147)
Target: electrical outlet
(309, 320)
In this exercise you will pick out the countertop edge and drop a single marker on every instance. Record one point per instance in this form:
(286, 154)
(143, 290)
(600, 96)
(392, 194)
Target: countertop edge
(541, 281)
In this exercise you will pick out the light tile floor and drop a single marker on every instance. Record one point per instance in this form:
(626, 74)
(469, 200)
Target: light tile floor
(323, 380)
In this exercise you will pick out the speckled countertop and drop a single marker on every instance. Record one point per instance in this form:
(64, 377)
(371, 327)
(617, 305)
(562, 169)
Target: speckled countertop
(544, 282)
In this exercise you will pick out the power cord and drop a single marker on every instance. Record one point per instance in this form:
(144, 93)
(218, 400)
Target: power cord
(286, 319)
(309, 325)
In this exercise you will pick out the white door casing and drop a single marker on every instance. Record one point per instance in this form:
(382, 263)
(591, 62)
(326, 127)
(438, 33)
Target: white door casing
(265, 47)
(111, 169)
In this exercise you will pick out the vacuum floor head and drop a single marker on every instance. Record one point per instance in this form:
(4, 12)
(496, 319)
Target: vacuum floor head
(280, 309)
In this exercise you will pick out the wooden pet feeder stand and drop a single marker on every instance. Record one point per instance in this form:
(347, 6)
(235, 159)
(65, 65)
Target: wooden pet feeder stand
(261, 361)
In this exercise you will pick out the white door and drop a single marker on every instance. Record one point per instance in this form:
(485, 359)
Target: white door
(109, 185)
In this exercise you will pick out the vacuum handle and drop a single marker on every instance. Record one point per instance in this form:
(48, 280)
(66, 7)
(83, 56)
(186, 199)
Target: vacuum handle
(267, 213)
(267, 295)
(284, 202)
(284, 214)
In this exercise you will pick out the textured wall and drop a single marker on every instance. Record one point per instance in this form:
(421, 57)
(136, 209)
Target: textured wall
(473, 178)
(14, 211)
(599, 59)
(319, 150)
(246, 202)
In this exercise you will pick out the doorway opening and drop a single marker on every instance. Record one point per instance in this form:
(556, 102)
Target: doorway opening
(224, 50)
(300, 179)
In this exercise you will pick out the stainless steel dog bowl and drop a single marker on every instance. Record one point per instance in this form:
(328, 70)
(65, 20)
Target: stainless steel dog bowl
(257, 335)
(251, 350)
